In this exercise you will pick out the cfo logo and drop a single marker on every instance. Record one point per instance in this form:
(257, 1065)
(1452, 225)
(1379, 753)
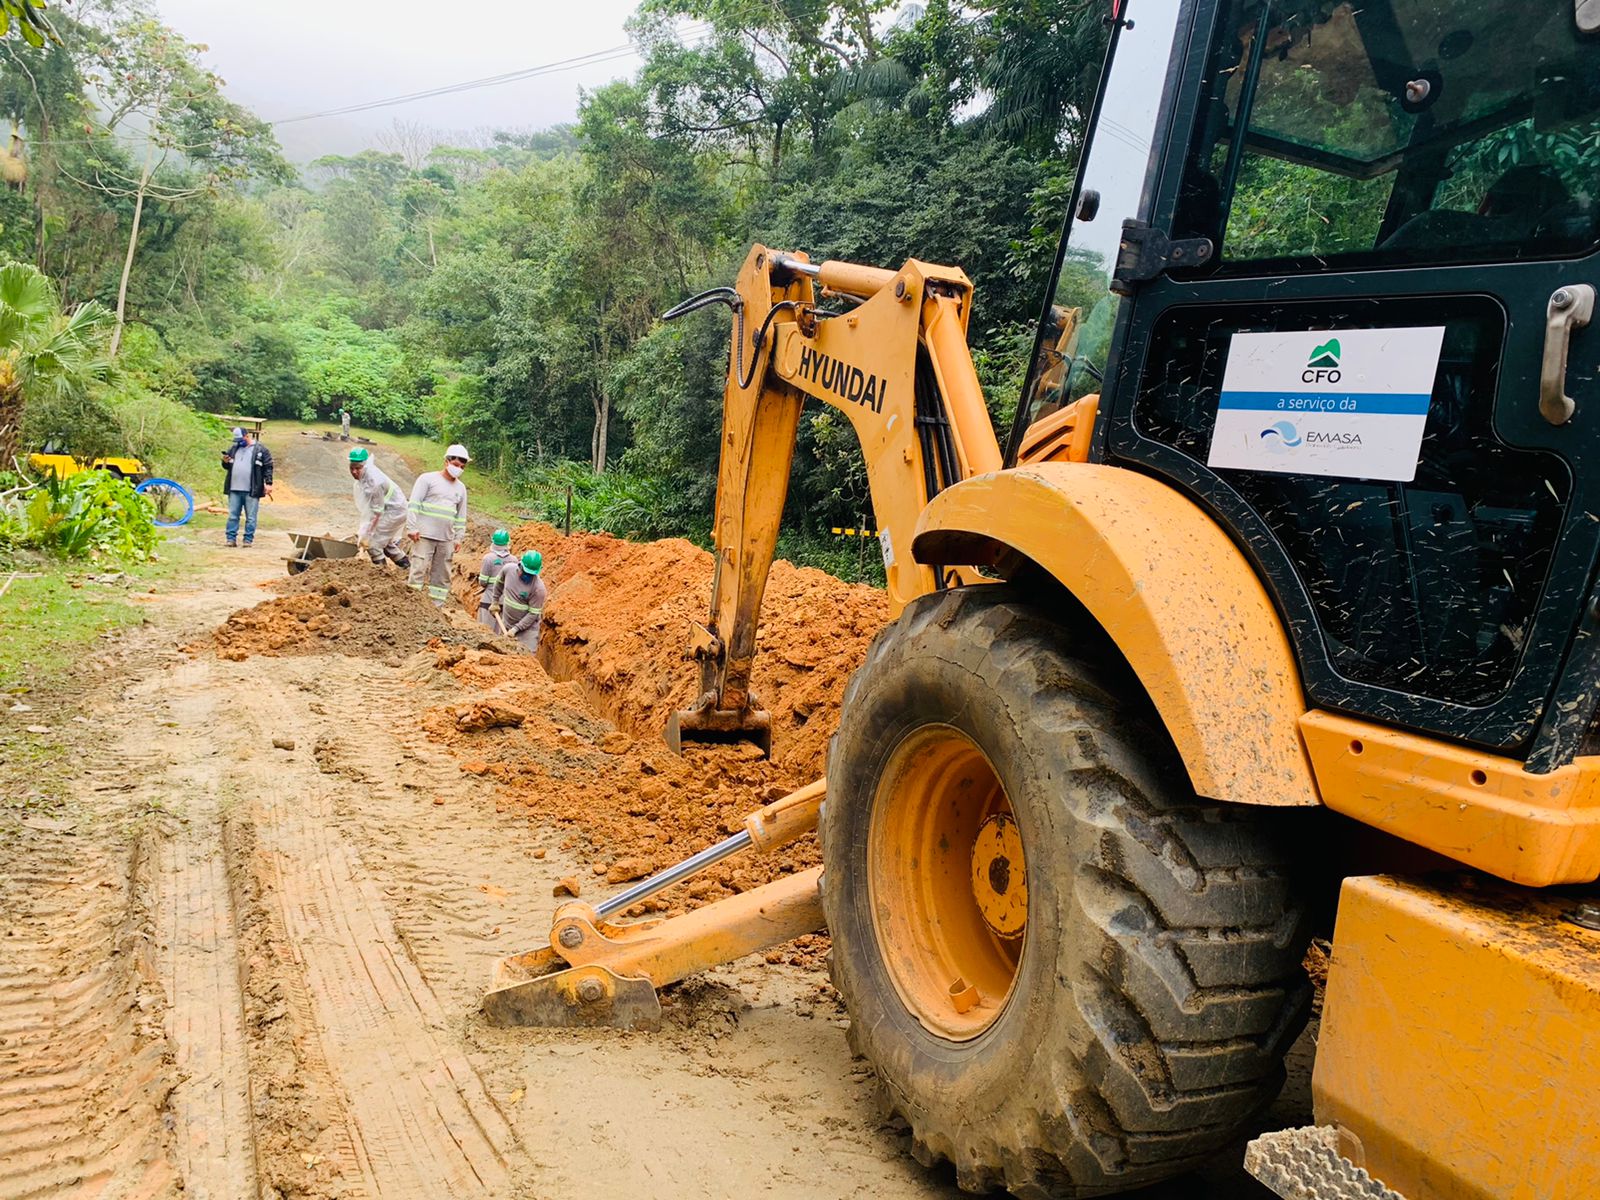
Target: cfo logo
(1280, 437)
(1323, 365)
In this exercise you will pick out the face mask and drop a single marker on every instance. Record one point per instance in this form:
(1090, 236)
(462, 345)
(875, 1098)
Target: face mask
(452, 470)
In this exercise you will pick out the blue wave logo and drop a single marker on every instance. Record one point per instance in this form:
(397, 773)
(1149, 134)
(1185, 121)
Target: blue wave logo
(1280, 437)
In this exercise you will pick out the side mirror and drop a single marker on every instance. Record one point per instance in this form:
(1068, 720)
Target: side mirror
(1089, 199)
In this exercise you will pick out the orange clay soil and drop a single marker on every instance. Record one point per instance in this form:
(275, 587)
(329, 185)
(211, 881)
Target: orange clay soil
(617, 621)
(343, 607)
(573, 737)
(616, 626)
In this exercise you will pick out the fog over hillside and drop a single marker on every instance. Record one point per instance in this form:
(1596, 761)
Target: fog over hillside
(357, 51)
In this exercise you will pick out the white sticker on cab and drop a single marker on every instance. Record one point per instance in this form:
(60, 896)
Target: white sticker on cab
(1349, 403)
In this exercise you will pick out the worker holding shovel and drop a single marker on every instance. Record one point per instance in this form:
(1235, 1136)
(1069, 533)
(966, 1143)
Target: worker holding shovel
(522, 596)
(494, 562)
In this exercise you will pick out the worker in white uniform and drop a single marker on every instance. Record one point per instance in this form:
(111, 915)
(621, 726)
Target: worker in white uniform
(382, 508)
(436, 523)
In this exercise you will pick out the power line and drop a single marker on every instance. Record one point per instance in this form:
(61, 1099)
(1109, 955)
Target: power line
(468, 85)
(593, 58)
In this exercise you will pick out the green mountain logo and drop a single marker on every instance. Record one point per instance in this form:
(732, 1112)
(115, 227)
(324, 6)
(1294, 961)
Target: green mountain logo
(1326, 355)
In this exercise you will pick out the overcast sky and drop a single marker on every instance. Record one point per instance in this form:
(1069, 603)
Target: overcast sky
(286, 60)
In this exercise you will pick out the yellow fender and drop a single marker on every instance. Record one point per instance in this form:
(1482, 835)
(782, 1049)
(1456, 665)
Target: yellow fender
(1177, 597)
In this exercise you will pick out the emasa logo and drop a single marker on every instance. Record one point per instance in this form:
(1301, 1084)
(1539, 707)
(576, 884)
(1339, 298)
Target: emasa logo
(1280, 437)
(1323, 364)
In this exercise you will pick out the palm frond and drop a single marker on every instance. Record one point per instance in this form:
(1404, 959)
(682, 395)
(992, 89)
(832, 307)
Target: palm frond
(27, 292)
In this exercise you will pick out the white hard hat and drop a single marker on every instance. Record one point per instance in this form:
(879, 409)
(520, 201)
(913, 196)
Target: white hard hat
(458, 451)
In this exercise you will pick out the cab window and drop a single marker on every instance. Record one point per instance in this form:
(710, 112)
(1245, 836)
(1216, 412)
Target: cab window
(1396, 131)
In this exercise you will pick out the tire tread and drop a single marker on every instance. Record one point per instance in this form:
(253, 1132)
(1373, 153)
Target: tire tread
(1197, 992)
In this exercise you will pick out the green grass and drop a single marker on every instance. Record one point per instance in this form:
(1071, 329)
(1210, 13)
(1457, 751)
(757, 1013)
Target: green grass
(50, 625)
(486, 496)
(49, 622)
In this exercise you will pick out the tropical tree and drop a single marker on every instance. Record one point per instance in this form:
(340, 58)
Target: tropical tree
(196, 141)
(44, 353)
(26, 18)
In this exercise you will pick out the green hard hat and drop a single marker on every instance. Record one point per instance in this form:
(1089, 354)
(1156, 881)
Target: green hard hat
(501, 538)
(359, 454)
(533, 562)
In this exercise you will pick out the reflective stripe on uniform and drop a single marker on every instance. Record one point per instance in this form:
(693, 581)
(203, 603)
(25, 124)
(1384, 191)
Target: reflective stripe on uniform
(438, 508)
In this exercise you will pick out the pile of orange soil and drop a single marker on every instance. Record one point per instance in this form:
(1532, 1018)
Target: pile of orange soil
(618, 617)
(587, 753)
(633, 807)
(345, 607)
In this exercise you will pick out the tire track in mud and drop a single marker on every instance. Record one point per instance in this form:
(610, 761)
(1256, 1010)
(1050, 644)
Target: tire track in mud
(211, 1104)
(306, 1053)
(84, 1071)
(205, 1021)
(458, 894)
(420, 1122)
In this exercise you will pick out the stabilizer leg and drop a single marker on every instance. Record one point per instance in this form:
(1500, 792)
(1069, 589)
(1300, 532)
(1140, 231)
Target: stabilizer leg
(597, 972)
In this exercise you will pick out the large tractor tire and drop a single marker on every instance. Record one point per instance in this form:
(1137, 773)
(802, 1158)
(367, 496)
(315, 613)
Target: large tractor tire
(1072, 975)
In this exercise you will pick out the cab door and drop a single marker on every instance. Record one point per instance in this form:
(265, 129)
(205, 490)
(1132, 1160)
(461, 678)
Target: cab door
(1355, 329)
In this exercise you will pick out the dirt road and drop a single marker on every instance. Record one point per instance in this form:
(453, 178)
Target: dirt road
(244, 958)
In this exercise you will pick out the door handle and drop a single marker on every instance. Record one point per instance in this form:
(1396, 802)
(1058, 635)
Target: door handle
(1570, 308)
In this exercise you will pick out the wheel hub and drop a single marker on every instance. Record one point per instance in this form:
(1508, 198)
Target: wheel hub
(1000, 876)
(948, 883)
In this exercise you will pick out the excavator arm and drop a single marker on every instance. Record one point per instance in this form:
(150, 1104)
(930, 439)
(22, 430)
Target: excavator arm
(886, 348)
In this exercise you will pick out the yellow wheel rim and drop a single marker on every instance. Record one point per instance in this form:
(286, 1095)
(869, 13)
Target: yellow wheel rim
(947, 881)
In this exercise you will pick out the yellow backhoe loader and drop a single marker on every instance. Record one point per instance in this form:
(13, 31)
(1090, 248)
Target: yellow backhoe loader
(1284, 583)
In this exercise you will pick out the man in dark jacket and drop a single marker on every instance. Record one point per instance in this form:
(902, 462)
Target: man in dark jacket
(246, 477)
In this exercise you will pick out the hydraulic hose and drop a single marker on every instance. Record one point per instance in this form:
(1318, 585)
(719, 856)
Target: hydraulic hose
(731, 298)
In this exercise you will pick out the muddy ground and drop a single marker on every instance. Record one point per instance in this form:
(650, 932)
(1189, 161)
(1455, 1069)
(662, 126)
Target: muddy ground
(244, 958)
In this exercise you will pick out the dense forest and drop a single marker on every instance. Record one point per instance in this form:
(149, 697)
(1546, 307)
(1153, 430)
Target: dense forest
(503, 288)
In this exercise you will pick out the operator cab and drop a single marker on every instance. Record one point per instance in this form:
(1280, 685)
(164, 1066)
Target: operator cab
(1348, 316)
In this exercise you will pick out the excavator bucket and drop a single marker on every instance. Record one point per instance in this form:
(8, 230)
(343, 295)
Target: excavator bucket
(704, 722)
(708, 719)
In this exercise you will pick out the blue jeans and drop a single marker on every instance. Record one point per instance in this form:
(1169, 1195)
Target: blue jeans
(251, 506)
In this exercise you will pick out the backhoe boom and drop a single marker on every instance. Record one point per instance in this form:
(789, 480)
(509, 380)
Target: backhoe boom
(896, 365)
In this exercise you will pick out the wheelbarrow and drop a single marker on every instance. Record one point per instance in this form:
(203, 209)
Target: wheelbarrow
(308, 547)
